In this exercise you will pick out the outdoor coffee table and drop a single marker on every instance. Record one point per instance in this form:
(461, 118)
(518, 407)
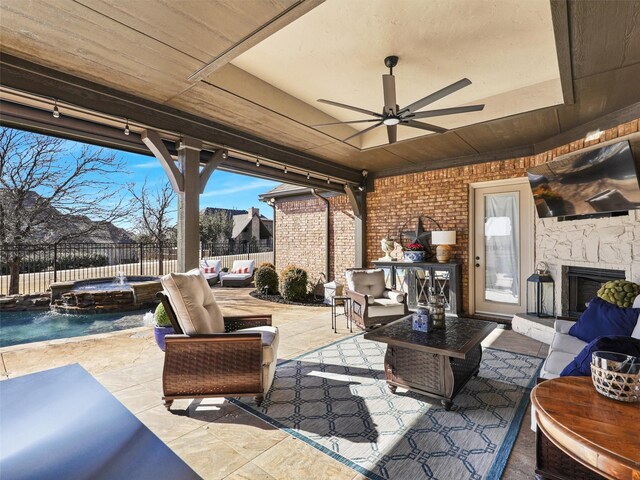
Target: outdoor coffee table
(437, 363)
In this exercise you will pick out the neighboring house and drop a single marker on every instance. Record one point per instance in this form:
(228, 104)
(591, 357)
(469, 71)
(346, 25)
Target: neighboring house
(247, 225)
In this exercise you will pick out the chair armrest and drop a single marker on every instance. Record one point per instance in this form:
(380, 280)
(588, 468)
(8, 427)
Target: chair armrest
(563, 326)
(395, 295)
(358, 297)
(236, 322)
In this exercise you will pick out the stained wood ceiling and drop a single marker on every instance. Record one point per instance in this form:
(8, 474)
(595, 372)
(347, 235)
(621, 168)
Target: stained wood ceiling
(152, 50)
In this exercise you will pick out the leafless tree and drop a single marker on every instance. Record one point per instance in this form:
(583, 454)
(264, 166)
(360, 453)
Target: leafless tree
(42, 177)
(153, 213)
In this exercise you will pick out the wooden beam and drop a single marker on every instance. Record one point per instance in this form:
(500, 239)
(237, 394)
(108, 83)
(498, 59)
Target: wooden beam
(288, 16)
(29, 77)
(353, 200)
(560, 20)
(210, 166)
(152, 140)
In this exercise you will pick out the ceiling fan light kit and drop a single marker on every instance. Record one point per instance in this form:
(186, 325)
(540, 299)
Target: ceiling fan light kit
(392, 116)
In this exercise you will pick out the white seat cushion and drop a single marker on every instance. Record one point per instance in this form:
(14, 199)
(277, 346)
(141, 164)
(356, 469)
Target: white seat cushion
(369, 282)
(384, 306)
(270, 341)
(193, 302)
(236, 276)
(563, 342)
(555, 363)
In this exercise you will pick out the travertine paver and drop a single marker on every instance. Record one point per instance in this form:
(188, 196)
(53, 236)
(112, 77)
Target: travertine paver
(216, 438)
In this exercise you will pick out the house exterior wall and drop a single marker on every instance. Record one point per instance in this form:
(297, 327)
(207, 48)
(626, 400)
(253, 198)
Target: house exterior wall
(300, 236)
(444, 195)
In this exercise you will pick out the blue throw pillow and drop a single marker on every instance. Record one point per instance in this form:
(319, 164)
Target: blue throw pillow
(604, 318)
(581, 365)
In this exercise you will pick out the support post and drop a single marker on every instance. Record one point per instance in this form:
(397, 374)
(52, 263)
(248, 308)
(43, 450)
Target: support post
(189, 204)
(358, 201)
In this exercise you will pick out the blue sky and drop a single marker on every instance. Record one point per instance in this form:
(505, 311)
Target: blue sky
(224, 189)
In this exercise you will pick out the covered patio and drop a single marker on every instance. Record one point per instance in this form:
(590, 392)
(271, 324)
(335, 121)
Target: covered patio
(290, 91)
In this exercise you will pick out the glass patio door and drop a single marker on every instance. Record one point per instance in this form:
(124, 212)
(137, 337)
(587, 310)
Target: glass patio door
(503, 228)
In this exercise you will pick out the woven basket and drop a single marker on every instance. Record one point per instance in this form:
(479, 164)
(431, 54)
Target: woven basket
(612, 383)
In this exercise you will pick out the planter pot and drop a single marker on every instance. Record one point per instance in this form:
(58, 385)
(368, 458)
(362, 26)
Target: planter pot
(413, 256)
(159, 334)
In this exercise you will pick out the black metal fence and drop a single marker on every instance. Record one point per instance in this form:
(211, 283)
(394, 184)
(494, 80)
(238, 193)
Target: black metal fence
(32, 268)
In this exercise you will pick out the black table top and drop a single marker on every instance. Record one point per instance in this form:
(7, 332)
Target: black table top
(458, 338)
(62, 424)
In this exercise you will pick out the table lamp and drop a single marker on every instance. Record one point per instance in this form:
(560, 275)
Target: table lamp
(443, 240)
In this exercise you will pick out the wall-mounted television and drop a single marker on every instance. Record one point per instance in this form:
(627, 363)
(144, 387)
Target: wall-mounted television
(602, 180)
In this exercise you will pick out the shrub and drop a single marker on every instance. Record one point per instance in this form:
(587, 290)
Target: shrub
(161, 317)
(68, 262)
(293, 284)
(267, 264)
(266, 280)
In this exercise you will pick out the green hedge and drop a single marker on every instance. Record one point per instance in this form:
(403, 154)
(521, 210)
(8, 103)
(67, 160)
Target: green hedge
(266, 279)
(293, 284)
(69, 262)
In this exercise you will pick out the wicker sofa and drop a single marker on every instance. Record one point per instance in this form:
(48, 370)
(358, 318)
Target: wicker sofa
(212, 355)
(372, 303)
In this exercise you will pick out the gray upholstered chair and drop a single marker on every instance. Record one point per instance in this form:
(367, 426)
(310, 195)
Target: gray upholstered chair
(372, 303)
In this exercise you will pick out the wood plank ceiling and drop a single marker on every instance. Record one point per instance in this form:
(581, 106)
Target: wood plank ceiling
(151, 50)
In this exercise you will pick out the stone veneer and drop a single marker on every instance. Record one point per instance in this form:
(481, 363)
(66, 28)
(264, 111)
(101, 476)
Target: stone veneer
(611, 243)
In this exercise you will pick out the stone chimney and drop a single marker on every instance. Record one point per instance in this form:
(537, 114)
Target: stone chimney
(253, 211)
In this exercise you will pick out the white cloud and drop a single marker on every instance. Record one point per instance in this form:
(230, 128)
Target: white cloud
(240, 187)
(149, 164)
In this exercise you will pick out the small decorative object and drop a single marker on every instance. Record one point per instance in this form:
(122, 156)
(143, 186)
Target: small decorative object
(443, 239)
(436, 309)
(541, 300)
(387, 247)
(414, 253)
(616, 375)
(397, 254)
(619, 292)
(162, 327)
(421, 320)
(332, 289)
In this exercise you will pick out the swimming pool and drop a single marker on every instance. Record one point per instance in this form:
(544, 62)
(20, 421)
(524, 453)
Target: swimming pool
(26, 327)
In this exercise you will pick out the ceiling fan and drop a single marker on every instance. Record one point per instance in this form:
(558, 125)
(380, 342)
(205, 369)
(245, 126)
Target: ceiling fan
(392, 116)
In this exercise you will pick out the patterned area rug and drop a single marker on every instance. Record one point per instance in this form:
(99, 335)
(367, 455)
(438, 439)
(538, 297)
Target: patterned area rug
(336, 399)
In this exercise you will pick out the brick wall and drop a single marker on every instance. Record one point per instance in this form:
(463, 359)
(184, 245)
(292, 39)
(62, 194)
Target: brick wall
(300, 236)
(444, 195)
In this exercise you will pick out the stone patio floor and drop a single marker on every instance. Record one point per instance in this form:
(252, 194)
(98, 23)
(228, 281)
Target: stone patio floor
(217, 439)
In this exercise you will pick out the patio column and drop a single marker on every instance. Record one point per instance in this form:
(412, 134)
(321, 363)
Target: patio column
(358, 201)
(188, 181)
(189, 204)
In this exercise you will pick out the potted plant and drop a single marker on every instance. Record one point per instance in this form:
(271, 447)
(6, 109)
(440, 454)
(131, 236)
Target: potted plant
(414, 252)
(162, 327)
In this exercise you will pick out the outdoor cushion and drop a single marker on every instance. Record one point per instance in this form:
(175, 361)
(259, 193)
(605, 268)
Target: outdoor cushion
(567, 344)
(369, 282)
(237, 276)
(555, 363)
(581, 365)
(193, 302)
(270, 341)
(384, 306)
(603, 318)
(394, 295)
(242, 266)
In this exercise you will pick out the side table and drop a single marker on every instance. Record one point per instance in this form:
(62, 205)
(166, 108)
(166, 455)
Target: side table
(346, 304)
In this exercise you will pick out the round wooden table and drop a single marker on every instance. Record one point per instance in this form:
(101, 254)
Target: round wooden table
(600, 433)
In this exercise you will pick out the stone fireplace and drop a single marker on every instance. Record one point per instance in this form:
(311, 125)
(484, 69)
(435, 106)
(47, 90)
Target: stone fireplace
(582, 285)
(595, 250)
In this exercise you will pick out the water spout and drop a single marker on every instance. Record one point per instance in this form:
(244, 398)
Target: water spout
(121, 279)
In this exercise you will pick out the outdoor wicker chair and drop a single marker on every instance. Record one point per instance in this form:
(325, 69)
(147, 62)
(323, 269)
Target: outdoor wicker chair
(240, 275)
(372, 303)
(212, 355)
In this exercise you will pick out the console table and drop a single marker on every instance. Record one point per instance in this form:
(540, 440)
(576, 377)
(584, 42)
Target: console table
(416, 278)
(595, 431)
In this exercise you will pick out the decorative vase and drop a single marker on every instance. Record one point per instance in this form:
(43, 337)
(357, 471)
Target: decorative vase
(159, 333)
(436, 310)
(413, 256)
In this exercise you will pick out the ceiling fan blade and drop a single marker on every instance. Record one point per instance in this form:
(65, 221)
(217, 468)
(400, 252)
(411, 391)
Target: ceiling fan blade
(445, 111)
(363, 131)
(389, 90)
(349, 107)
(423, 102)
(344, 123)
(423, 126)
(392, 133)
